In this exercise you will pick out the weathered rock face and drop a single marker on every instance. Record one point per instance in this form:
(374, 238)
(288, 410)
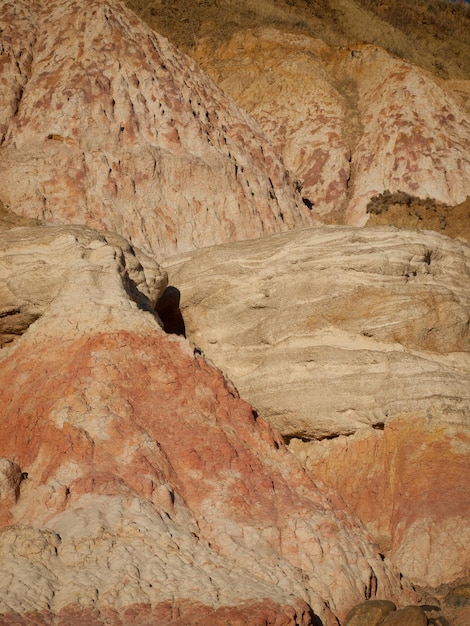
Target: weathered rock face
(136, 486)
(358, 339)
(409, 486)
(37, 264)
(350, 122)
(104, 123)
(283, 81)
(416, 135)
(379, 315)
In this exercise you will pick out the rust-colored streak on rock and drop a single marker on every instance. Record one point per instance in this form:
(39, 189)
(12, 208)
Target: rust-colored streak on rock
(135, 418)
(177, 613)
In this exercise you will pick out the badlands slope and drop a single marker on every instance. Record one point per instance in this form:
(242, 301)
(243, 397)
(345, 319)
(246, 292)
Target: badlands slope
(104, 123)
(352, 122)
(303, 449)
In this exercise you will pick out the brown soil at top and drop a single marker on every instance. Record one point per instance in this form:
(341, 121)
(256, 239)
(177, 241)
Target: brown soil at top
(8, 219)
(414, 213)
(434, 34)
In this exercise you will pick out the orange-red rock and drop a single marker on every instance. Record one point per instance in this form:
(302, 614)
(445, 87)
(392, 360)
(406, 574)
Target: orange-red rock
(150, 485)
(410, 486)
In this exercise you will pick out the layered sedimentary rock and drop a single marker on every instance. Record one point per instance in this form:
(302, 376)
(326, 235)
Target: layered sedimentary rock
(356, 342)
(350, 122)
(37, 264)
(136, 486)
(104, 123)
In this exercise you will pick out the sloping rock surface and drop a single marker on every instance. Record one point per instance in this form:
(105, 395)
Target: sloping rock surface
(351, 122)
(136, 487)
(104, 123)
(36, 265)
(333, 332)
(409, 484)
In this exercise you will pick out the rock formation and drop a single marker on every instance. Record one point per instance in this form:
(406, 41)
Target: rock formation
(137, 486)
(104, 123)
(36, 265)
(135, 483)
(356, 342)
(351, 122)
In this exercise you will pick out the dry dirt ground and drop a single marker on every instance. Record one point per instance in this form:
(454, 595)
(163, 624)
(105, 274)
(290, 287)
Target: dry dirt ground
(409, 212)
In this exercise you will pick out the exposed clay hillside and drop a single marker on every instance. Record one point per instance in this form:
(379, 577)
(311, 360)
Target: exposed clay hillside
(103, 122)
(138, 485)
(350, 122)
(432, 34)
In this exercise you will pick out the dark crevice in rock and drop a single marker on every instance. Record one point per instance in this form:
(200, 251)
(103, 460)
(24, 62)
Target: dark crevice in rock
(168, 310)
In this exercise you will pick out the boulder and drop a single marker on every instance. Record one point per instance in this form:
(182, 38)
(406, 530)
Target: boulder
(330, 330)
(409, 616)
(370, 613)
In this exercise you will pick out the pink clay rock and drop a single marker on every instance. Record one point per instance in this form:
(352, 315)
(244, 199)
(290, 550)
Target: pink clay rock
(104, 123)
(350, 122)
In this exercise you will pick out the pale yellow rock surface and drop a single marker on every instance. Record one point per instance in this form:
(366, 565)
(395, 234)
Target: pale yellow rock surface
(350, 122)
(330, 330)
(355, 345)
(37, 264)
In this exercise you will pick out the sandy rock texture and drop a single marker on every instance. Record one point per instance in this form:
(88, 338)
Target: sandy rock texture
(38, 264)
(104, 123)
(354, 344)
(136, 486)
(350, 122)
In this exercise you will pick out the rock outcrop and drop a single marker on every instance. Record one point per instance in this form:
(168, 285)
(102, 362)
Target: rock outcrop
(104, 123)
(36, 265)
(351, 122)
(355, 344)
(136, 486)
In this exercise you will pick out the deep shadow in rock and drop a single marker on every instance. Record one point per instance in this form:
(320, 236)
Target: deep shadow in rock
(168, 309)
